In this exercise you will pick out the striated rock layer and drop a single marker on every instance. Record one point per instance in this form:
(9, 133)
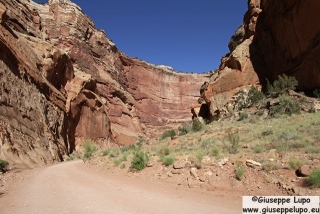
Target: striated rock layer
(277, 37)
(63, 81)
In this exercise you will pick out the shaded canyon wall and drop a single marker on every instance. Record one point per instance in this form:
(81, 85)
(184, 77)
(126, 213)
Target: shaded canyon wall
(276, 37)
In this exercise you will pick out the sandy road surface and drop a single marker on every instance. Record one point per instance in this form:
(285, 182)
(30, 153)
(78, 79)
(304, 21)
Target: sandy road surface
(72, 188)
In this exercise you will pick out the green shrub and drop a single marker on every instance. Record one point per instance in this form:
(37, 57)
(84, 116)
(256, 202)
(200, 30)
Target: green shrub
(195, 162)
(117, 162)
(282, 85)
(106, 152)
(298, 145)
(295, 163)
(168, 133)
(230, 112)
(199, 155)
(185, 128)
(289, 105)
(239, 172)
(254, 96)
(3, 166)
(89, 148)
(172, 133)
(74, 155)
(267, 132)
(233, 143)
(167, 160)
(243, 116)
(165, 151)
(270, 166)
(313, 149)
(123, 165)
(196, 125)
(215, 152)
(242, 100)
(115, 152)
(314, 178)
(124, 157)
(282, 147)
(128, 148)
(287, 135)
(286, 105)
(316, 93)
(258, 149)
(182, 131)
(260, 113)
(275, 110)
(140, 141)
(139, 160)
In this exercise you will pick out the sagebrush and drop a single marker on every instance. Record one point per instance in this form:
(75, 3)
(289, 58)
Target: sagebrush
(4, 165)
(89, 148)
(314, 178)
(139, 160)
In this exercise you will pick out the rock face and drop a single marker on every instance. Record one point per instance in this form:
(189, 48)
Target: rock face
(63, 81)
(277, 37)
(236, 71)
(287, 41)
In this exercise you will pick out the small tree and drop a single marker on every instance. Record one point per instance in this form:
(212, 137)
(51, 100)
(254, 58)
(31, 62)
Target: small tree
(139, 160)
(316, 93)
(3, 166)
(282, 85)
(254, 96)
(168, 133)
(185, 128)
(196, 125)
(286, 105)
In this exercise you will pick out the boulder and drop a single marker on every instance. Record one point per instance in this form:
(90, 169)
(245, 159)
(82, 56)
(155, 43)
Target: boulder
(194, 173)
(303, 171)
(252, 163)
(179, 165)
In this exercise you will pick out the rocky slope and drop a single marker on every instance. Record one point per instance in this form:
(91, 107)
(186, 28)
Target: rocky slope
(63, 81)
(277, 37)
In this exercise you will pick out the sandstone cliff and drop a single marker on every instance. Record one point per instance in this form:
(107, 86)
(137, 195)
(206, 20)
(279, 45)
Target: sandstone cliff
(63, 81)
(277, 37)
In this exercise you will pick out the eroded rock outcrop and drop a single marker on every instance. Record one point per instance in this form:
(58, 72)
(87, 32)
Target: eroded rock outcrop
(236, 71)
(63, 81)
(277, 37)
(141, 98)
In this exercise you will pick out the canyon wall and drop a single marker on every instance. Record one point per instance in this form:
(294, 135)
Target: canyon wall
(276, 37)
(63, 81)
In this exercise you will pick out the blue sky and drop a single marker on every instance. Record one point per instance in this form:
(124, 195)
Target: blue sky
(188, 35)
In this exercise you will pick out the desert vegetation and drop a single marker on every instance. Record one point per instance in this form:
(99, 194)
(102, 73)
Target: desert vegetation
(4, 166)
(272, 137)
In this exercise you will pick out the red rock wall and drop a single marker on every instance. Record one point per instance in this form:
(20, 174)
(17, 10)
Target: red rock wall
(139, 96)
(277, 37)
(163, 97)
(63, 81)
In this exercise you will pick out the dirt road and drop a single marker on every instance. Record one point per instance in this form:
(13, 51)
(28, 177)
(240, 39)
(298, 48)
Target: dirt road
(72, 188)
